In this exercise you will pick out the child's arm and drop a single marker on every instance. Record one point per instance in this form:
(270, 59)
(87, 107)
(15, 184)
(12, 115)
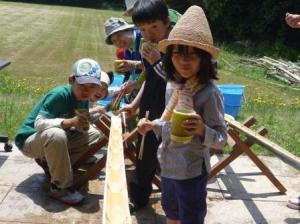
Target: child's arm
(97, 109)
(293, 20)
(42, 123)
(215, 130)
(132, 107)
(158, 68)
(128, 65)
(145, 126)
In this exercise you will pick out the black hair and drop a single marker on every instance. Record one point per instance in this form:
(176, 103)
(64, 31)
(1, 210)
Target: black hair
(148, 11)
(208, 69)
(110, 76)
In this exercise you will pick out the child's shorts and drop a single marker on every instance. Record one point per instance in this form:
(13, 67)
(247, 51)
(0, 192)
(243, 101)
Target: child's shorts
(185, 200)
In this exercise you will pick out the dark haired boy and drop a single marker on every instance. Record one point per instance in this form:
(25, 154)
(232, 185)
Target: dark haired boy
(152, 18)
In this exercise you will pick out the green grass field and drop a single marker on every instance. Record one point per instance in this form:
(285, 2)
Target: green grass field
(42, 42)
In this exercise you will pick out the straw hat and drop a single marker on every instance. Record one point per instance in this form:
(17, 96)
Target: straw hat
(192, 30)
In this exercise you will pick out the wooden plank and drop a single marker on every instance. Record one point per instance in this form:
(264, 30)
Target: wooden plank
(4, 63)
(91, 173)
(92, 150)
(280, 152)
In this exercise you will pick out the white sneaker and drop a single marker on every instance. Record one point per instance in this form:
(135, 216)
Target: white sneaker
(67, 196)
(294, 203)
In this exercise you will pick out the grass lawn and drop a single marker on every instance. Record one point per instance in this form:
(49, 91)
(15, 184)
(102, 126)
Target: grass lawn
(42, 42)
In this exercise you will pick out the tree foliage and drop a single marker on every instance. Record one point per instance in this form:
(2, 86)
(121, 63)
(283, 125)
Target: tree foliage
(254, 20)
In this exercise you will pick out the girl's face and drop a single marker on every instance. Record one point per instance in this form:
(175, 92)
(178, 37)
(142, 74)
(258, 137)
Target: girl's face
(122, 39)
(187, 64)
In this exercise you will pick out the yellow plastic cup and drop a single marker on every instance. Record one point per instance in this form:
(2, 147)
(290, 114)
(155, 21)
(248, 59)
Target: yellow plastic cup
(117, 64)
(178, 133)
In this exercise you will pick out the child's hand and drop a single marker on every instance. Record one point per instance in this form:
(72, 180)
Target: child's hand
(293, 20)
(130, 111)
(78, 121)
(150, 53)
(97, 109)
(144, 126)
(126, 87)
(194, 125)
(81, 119)
(126, 66)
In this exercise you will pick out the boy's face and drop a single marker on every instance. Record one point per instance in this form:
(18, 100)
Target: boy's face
(101, 92)
(122, 39)
(155, 31)
(83, 92)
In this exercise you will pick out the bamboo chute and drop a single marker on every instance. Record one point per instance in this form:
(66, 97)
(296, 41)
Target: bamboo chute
(116, 203)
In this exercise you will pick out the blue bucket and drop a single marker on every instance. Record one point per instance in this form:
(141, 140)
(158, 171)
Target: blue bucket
(233, 98)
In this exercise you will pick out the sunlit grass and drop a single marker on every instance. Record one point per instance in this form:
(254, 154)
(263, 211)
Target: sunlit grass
(43, 41)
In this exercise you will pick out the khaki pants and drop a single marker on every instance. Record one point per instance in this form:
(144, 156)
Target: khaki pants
(61, 149)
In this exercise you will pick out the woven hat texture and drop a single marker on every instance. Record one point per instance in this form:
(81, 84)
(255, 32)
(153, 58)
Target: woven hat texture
(193, 30)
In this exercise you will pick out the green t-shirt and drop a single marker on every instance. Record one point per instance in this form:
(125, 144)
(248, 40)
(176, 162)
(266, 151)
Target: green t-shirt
(60, 102)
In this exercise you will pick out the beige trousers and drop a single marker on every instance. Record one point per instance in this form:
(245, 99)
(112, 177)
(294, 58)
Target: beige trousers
(61, 149)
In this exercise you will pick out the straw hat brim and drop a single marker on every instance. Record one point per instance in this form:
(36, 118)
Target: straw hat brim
(213, 51)
(122, 28)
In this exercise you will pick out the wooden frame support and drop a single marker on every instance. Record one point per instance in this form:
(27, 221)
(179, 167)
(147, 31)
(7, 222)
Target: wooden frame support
(239, 147)
(129, 147)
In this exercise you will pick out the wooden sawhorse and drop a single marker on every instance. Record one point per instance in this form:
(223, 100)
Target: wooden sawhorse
(244, 146)
(130, 151)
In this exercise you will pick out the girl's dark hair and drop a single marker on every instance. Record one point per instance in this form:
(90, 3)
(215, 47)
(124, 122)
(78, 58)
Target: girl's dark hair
(148, 11)
(208, 69)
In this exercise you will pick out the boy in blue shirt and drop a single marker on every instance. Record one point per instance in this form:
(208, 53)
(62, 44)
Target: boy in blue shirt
(56, 132)
(124, 36)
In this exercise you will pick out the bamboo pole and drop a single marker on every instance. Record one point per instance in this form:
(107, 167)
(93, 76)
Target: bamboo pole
(116, 203)
(141, 152)
(280, 152)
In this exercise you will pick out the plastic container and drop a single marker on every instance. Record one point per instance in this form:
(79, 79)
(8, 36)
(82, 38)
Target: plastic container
(233, 98)
(179, 134)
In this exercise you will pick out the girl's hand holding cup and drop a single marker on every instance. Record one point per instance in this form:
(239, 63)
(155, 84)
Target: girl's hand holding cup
(194, 125)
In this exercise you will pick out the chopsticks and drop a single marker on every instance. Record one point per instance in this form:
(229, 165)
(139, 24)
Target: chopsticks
(141, 152)
(123, 117)
(116, 102)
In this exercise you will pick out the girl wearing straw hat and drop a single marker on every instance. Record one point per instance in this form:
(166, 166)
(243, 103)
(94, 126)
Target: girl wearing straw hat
(188, 62)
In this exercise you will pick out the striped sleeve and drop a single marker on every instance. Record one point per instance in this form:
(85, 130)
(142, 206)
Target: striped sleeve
(158, 68)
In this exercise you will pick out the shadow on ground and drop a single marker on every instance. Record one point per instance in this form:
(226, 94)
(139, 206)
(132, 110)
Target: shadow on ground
(39, 195)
